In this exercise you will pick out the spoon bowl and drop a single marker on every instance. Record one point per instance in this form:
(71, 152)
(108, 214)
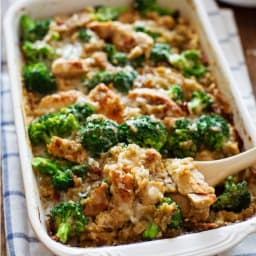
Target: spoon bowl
(217, 170)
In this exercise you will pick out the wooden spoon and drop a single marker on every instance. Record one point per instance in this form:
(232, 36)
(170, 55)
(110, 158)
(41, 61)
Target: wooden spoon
(217, 170)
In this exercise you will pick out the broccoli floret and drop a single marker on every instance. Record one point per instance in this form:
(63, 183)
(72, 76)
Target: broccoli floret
(183, 140)
(105, 77)
(189, 62)
(160, 52)
(151, 231)
(145, 6)
(37, 78)
(68, 220)
(123, 80)
(53, 124)
(138, 62)
(104, 13)
(80, 170)
(200, 102)
(38, 52)
(32, 30)
(149, 32)
(61, 179)
(115, 57)
(84, 35)
(176, 219)
(235, 197)
(143, 131)
(80, 110)
(213, 130)
(176, 93)
(99, 135)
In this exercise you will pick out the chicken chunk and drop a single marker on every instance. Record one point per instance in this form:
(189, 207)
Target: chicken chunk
(108, 102)
(97, 201)
(154, 102)
(67, 149)
(124, 37)
(57, 101)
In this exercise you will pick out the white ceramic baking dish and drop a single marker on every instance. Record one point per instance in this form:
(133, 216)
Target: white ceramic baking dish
(203, 243)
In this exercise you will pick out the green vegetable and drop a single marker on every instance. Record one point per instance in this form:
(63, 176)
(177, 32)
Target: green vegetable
(115, 57)
(145, 6)
(61, 179)
(32, 30)
(37, 78)
(143, 131)
(183, 139)
(84, 35)
(189, 62)
(122, 80)
(138, 62)
(80, 110)
(175, 93)
(38, 52)
(160, 52)
(213, 130)
(235, 197)
(99, 135)
(149, 32)
(53, 124)
(151, 231)
(200, 102)
(104, 13)
(80, 170)
(176, 220)
(68, 220)
(105, 77)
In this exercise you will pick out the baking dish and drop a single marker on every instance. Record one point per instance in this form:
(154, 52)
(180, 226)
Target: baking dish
(204, 243)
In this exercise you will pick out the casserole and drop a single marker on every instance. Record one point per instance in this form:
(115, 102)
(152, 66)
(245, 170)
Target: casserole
(239, 122)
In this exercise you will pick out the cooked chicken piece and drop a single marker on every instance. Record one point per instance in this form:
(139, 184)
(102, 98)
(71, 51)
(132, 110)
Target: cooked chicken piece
(67, 149)
(196, 196)
(101, 61)
(107, 102)
(151, 192)
(97, 201)
(70, 68)
(154, 102)
(124, 37)
(68, 23)
(56, 101)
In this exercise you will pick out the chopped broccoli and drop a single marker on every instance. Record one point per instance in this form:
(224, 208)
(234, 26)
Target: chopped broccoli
(122, 80)
(235, 197)
(32, 30)
(99, 135)
(68, 220)
(176, 219)
(84, 35)
(176, 93)
(61, 179)
(145, 6)
(213, 130)
(183, 140)
(80, 110)
(143, 131)
(104, 13)
(115, 57)
(160, 52)
(53, 124)
(200, 102)
(189, 63)
(149, 32)
(151, 231)
(138, 62)
(37, 78)
(80, 170)
(35, 52)
(105, 77)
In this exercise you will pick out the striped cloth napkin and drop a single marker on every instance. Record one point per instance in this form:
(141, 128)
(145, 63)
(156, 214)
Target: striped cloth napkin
(21, 240)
